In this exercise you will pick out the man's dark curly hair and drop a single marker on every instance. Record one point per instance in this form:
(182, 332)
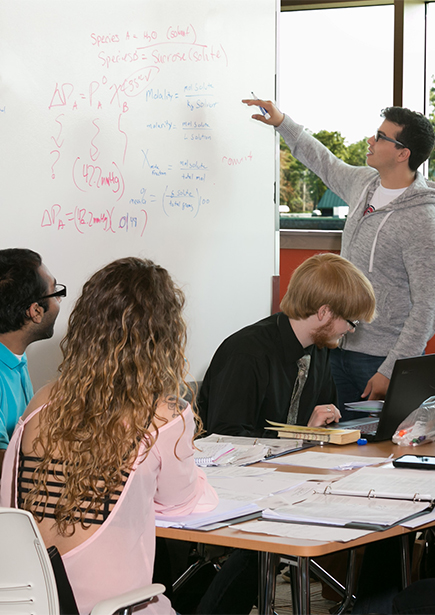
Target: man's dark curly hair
(416, 133)
(20, 286)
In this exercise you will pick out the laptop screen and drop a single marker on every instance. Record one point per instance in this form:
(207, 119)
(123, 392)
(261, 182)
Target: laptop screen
(412, 381)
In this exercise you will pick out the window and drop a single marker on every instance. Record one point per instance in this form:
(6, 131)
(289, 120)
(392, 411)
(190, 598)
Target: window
(335, 76)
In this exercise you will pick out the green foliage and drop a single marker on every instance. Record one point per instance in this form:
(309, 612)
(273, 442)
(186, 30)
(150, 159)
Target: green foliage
(301, 190)
(356, 153)
(291, 180)
(335, 143)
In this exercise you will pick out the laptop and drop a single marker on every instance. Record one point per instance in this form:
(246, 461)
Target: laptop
(412, 382)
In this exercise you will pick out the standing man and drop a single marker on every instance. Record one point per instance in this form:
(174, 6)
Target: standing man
(389, 235)
(29, 305)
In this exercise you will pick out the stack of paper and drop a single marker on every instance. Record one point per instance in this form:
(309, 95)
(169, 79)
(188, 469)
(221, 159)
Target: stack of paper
(330, 461)
(395, 483)
(235, 450)
(213, 453)
(243, 493)
(275, 447)
(321, 509)
(369, 498)
(226, 510)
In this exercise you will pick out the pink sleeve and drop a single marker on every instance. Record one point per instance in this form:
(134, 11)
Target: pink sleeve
(9, 470)
(182, 488)
(8, 495)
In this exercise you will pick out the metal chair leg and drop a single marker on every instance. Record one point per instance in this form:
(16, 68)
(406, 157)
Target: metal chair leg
(323, 575)
(346, 591)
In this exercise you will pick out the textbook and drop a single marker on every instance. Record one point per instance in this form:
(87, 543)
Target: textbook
(316, 434)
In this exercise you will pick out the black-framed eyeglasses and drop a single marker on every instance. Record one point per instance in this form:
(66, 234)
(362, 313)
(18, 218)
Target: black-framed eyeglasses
(380, 135)
(353, 323)
(59, 292)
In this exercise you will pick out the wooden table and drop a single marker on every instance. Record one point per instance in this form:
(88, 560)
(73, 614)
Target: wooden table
(302, 550)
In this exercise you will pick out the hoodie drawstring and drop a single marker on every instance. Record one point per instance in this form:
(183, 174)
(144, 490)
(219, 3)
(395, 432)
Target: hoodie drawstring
(372, 253)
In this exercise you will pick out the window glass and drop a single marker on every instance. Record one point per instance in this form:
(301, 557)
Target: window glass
(335, 76)
(430, 72)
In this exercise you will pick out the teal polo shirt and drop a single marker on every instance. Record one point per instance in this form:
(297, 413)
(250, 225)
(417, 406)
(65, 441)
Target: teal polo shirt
(15, 392)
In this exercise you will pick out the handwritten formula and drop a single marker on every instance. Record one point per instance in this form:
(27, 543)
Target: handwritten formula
(97, 153)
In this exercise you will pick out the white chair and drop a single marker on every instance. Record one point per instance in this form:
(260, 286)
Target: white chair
(27, 581)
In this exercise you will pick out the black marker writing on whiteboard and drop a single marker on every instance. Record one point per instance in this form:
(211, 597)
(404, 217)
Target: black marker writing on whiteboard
(262, 109)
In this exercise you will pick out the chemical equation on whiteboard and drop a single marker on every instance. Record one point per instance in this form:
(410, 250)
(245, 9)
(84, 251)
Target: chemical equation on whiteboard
(183, 201)
(102, 93)
(177, 44)
(129, 62)
(84, 220)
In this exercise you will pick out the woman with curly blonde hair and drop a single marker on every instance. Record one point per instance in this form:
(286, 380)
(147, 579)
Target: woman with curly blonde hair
(109, 444)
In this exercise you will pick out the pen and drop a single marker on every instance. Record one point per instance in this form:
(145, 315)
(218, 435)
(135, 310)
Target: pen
(262, 109)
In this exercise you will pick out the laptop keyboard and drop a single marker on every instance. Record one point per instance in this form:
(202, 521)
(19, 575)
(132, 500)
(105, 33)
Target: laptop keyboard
(366, 428)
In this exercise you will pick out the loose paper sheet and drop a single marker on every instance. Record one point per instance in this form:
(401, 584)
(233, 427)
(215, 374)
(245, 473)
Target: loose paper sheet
(304, 532)
(330, 461)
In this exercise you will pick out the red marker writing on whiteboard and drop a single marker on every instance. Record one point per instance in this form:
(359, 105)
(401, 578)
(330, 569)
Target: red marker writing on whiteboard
(262, 109)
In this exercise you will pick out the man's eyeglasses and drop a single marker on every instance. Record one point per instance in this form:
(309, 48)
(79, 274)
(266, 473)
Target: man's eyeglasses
(380, 135)
(353, 323)
(59, 292)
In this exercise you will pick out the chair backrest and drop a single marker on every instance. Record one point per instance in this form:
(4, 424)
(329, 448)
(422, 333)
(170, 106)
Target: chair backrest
(27, 582)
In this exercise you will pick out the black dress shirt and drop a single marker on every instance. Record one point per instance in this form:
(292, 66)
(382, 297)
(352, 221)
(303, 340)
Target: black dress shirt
(251, 378)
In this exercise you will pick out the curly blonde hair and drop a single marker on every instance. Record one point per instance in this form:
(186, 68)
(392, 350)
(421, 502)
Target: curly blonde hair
(123, 352)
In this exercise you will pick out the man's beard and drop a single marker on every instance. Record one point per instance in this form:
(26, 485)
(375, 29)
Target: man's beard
(323, 337)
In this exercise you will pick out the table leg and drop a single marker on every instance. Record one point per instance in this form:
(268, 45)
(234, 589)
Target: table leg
(303, 573)
(295, 588)
(299, 568)
(348, 598)
(266, 582)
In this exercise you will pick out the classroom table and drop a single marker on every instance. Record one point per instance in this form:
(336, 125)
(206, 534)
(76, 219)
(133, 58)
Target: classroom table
(301, 551)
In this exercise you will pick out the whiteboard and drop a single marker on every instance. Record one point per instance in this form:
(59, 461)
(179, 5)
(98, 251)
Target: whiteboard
(122, 133)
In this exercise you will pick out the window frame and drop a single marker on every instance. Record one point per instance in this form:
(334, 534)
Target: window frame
(404, 37)
(410, 34)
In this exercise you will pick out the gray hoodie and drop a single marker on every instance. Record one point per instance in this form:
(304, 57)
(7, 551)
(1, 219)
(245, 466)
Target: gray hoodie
(394, 247)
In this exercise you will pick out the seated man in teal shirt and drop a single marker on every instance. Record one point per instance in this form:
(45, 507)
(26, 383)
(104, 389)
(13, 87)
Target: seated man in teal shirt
(29, 305)
(15, 392)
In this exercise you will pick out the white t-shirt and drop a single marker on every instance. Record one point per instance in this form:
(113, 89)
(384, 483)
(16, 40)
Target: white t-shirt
(383, 196)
